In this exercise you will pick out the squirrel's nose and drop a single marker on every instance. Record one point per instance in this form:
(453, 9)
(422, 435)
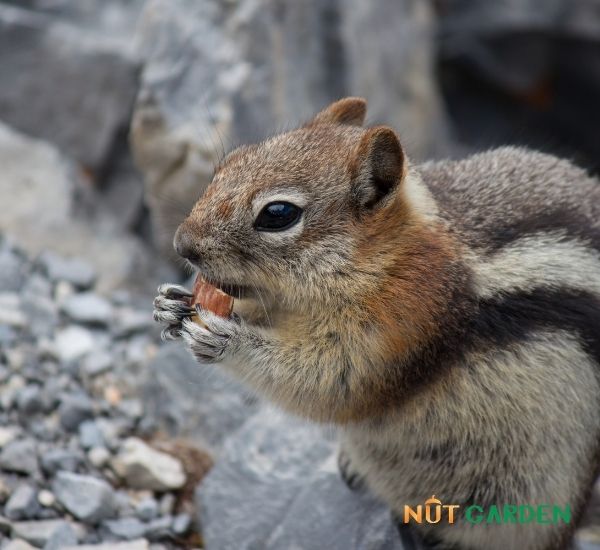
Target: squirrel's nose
(186, 246)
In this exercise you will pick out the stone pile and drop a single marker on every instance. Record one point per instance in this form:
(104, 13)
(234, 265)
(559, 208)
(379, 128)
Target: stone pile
(75, 468)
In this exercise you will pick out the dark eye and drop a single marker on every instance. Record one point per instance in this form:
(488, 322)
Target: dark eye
(277, 216)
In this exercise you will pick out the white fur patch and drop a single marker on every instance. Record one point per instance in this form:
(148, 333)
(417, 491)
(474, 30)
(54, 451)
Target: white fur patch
(546, 259)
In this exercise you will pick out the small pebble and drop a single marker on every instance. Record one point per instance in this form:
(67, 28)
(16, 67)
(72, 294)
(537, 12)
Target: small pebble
(46, 498)
(99, 456)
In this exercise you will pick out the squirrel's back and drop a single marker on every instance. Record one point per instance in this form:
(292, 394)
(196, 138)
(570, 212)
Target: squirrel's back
(495, 198)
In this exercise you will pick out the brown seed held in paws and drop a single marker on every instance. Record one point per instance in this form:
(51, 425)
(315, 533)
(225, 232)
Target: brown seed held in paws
(210, 298)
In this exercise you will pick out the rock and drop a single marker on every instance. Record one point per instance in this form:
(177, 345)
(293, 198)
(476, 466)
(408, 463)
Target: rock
(142, 467)
(57, 56)
(5, 526)
(88, 308)
(254, 77)
(12, 269)
(52, 181)
(97, 363)
(90, 435)
(128, 322)
(30, 399)
(74, 409)
(73, 342)
(159, 528)
(140, 544)
(37, 532)
(125, 528)
(75, 271)
(55, 460)
(46, 498)
(277, 486)
(63, 536)
(49, 182)
(99, 457)
(18, 544)
(22, 504)
(166, 504)
(187, 399)
(11, 313)
(392, 45)
(147, 509)
(8, 434)
(20, 457)
(10, 390)
(181, 524)
(88, 498)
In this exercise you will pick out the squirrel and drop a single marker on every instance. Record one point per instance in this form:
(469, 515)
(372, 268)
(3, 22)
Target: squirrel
(445, 316)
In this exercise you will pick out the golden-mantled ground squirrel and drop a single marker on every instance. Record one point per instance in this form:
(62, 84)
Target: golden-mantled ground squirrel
(445, 316)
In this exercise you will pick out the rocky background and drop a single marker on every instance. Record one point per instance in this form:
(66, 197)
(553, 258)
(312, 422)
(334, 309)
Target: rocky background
(112, 116)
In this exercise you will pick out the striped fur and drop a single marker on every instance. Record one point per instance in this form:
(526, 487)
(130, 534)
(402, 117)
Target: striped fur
(446, 316)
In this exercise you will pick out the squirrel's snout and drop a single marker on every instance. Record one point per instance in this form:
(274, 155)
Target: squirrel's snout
(187, 246)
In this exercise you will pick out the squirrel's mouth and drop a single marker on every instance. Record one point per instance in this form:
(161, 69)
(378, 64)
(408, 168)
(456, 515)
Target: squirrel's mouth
(234, 290)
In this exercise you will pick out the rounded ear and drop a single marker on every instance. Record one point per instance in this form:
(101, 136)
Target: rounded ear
(350, 111)
(377, 168)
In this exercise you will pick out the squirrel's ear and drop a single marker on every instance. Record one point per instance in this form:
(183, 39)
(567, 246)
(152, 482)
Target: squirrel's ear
(377, 168)
(350, 111)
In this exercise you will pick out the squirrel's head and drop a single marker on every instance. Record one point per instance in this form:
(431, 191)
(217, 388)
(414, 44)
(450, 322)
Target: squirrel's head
(291, 216)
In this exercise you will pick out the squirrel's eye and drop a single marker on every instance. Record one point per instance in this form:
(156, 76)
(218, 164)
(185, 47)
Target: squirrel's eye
(277, 216)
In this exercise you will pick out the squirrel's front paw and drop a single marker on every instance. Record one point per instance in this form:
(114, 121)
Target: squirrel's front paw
(350, 476)
(171, 307)
(214, 337)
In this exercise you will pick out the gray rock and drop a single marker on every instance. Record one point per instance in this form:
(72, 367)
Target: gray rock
(99, 456)
(74, 409)
(8, 434)
(72, 270)
(63, 536)
(55, 460)
(90, 435)
(181, 524)
(147, 509)
(96, 364)
(187, 399)
(72, 343)
(393, 45)
(159, 528)
(117, 256)
(41, 313)
(88, 308)
(142, 467)
(11, 312)
(265, 67)
(37, 533)
(129, 321)
(88, 498)
(22, 504)
(57, 57)
(5, 526)
(125, 528)
(12, 269)
(30, 399)
(166, 504)
(20, 457)
(277, 486)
